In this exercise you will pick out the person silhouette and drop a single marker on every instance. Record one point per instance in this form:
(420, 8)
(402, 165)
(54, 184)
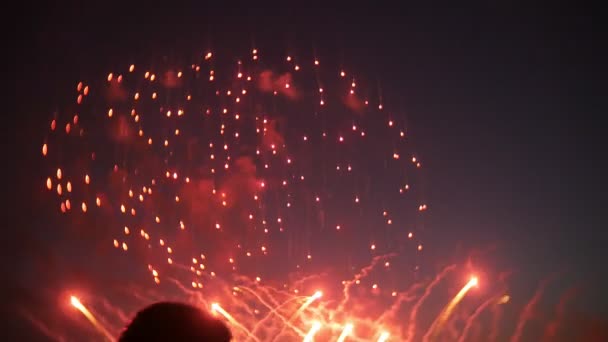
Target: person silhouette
(168, 321)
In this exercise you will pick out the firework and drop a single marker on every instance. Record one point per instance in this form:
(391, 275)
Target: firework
(283, 195)
(83, 309)
(447, 311)
(223, 169)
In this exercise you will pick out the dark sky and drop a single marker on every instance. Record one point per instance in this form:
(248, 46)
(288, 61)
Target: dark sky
(505, 105)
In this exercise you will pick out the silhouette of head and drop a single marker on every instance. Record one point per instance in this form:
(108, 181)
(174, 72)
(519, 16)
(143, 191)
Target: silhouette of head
(175, 322)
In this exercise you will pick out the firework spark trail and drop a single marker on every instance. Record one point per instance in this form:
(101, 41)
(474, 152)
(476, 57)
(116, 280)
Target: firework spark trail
(43, 328)
(109, 315)
(78, 305)
(306, 279)
(306, 304)
(348, 328)
(108, 320)
(496, 310)
(142, 298)
(296, 314)
(115, 311)
(528, 310)
(273, 312)
(256, 296)
(243, 307)
(495, 325)
(364, 323)
(265, 289)
(437, 325)
(316, 326)
(362, 274)
(452, 330)
(404, 297)
(553, 326)
(411, 327)
(242, 304)
(473, 317)
(191, 294)
(217, 308)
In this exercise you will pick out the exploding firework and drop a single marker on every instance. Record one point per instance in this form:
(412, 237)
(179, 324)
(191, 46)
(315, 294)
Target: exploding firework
(293, 174)
(283, 196)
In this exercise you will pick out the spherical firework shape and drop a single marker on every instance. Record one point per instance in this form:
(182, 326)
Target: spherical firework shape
(229, 167)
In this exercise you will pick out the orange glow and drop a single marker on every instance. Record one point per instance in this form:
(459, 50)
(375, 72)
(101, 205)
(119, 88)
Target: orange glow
(238, 170)
(383, 337)
(316, 326)
(348, 328)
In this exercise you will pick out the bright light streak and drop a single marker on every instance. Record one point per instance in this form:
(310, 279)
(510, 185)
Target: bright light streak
(306, 304)
(383, 337)
(217, 308)
(477, 312)
(449, 308)
(473, 282)
(274, 311)
(348, 328)
(316, 326)
(80, 307)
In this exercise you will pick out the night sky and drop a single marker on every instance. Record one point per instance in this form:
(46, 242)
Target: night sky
(504, 103)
